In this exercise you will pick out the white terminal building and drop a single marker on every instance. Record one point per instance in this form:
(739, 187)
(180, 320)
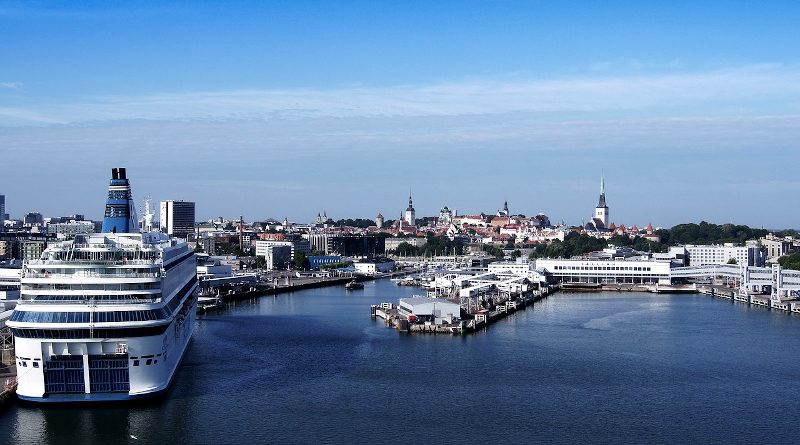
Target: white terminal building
(607, 271)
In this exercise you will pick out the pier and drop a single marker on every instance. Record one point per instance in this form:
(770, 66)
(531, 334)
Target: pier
(8, 367)
(476, 314)
(738, 296)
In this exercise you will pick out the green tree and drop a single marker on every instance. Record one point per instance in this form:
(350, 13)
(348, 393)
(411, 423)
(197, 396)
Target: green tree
(538, 251)
(790, 261)
(229, 249)
(493, 250)
(707, 233)
(511, 242)
(732, 261)
(406, 249)
(300, 260)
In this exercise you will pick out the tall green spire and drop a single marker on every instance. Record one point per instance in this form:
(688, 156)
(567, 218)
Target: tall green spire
(602, 201)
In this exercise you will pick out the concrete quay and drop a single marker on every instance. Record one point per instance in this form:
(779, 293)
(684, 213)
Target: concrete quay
(8, 380)
(290, 284)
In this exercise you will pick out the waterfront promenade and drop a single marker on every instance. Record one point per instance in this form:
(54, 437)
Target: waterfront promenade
(288, 282)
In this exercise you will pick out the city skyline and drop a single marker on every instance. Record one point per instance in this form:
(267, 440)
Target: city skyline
(283, 109)
(402, 215)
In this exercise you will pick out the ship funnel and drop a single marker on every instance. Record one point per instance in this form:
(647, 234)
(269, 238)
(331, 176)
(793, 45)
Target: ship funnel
(120, 214)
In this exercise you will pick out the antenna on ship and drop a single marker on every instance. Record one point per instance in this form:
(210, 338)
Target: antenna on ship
(147, 219)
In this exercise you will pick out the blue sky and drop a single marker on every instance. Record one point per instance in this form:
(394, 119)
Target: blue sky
(287, 108)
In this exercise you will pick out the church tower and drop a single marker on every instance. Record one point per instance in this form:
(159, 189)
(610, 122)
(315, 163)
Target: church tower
(601, 211)
(410, 217)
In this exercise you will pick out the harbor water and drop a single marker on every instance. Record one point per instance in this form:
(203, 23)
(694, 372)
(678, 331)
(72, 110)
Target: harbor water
(311, 367)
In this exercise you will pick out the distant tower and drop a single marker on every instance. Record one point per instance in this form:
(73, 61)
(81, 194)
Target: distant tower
(410, 214)
(601, 211)
(379, 220)
(445, 216)
(241, 232)
(503, 212)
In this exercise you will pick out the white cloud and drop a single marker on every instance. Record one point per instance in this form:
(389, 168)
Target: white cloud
(763, 89)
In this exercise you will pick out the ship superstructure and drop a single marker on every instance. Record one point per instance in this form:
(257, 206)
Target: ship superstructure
(105, 316)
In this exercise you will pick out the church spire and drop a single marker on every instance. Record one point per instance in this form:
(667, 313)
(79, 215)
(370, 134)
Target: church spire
(602, 202)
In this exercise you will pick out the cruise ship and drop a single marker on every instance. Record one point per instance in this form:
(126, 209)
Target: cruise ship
(106, 316)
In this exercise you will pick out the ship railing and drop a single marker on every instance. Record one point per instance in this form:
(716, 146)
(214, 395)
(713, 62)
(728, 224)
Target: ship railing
(39, 299)
(122, 246)
(85, 274)
(93, 262)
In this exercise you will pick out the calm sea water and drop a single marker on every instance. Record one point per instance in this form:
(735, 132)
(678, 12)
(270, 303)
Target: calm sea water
(312, 367)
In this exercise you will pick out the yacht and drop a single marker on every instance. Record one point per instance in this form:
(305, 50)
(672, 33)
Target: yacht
(107, 316)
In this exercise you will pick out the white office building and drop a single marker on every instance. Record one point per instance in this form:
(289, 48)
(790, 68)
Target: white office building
(722, 254)
(776, 247)
(68, 230)
(177, 218)
(391, 244)
(263, 246)
(277, 257)
(520, 267)
(371, 267)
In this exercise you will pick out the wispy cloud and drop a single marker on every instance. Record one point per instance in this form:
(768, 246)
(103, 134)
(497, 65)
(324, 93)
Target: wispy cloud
(11, 85)
(761, 89)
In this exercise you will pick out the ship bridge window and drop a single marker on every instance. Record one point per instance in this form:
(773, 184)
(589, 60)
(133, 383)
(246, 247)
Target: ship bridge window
(86, 333)
(85, 317)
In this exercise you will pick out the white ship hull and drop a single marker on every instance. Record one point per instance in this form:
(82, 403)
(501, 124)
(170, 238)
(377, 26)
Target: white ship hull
(165, 352)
